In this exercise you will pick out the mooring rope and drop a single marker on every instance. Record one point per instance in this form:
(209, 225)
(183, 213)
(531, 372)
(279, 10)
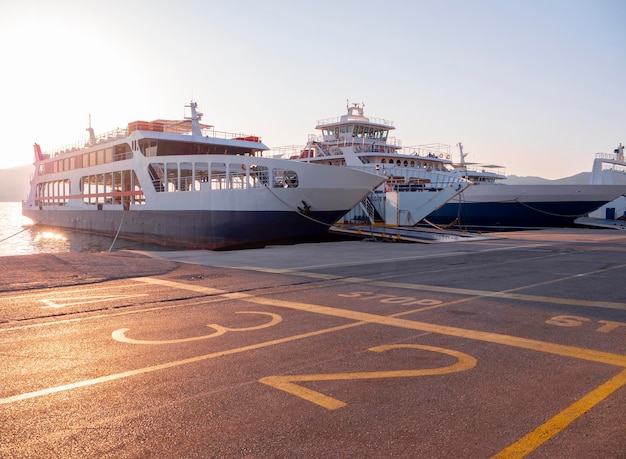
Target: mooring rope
(118, 232)
(297, 209)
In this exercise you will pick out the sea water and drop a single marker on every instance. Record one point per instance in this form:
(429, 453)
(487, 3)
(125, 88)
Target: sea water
(19, 236)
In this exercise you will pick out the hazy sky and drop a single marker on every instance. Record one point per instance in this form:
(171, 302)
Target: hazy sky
(537, 86)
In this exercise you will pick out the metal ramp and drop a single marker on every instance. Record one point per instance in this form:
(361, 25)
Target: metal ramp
(406, 234)
(601, 223)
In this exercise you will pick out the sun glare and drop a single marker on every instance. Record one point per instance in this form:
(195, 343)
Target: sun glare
(45, 236)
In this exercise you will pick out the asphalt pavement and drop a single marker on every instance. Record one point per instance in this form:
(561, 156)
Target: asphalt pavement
(510, 345)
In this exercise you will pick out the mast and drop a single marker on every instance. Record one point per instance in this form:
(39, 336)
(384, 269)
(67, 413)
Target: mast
(92, 135)
(463, 155)
(195, 119)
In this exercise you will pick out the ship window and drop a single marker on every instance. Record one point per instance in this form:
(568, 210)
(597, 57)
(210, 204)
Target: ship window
(186, 177)
(137, 197)
(284, 179)
(92, 158)
(53, 193)
(346, 129)
(201, 175)
(86, 188)
(259, 176)
(218, 176)
(171, 173)
(237, 176)
(148, 147)
(122, 152)
(412, 163)
(157, 173)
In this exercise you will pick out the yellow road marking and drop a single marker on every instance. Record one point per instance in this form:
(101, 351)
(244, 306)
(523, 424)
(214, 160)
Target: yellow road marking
(508, 294)
(286, 383)
(120, 335)
(527, 443)
(514, 341)
(167, 365)
(558, 423)
(508, 340)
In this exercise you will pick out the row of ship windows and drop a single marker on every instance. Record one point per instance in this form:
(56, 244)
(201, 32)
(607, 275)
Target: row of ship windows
(361, 132)
(186, 176)
(426, 165)
(92, 158)
(124, 187)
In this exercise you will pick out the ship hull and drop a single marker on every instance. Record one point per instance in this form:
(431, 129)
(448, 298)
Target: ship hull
(509, 207)
(197, 229)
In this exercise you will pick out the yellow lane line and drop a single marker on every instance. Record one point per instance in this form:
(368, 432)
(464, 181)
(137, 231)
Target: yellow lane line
(514, 341)
(508, 294)
(558, 423)
(164, 366)
(508, 340)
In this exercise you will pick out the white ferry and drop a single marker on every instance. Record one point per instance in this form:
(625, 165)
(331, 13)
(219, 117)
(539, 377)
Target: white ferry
(490, 205)
(182, 183)
(416, 182)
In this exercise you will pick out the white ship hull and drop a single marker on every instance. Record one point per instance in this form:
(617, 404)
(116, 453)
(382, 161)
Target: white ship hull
(499, 206)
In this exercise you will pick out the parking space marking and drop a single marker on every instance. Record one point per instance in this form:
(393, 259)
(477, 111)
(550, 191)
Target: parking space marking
(558, 423)
(507, 294)
(497, 338)
(532, 440)
(525, 444)
(173, 364)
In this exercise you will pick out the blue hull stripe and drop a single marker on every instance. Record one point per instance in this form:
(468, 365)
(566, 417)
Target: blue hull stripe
(214, 230)
(513, 214)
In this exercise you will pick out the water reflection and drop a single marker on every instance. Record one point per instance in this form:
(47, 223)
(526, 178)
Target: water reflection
(48, 240)
(19, 236)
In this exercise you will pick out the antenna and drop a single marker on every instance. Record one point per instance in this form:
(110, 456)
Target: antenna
(92, 135)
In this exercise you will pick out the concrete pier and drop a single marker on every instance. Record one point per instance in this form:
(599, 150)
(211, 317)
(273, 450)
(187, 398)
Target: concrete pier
(510, 345)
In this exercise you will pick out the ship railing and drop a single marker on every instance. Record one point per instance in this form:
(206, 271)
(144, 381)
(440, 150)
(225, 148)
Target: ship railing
(484, 169)
(286, 151)
(210, 132)
(610, 156)
(368, 207)
(415, 177)
(432, 150)
(337, 119)
(80, 144)
(357, 141)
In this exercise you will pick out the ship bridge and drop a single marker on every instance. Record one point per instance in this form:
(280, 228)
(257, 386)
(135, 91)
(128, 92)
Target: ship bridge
(355, 126)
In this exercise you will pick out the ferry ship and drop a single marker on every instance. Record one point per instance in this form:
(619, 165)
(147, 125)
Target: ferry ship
(490, 205)
(416, 182)
(608, 169)
(424, 186)
(181, 183)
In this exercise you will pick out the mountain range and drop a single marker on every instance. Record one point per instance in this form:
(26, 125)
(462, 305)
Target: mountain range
(14, 182)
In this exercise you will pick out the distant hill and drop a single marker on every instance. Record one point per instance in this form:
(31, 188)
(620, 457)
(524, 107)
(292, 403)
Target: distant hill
(14, 183)
(578, 179)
